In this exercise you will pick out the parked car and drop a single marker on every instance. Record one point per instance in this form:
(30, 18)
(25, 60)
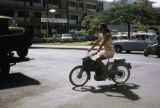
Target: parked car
(66, 37)
(91, 38)
(80, 37)
(137, 42)
(58, 37)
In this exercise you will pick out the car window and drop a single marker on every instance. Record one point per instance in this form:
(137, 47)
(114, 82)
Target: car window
(141, 37)
(67, 35)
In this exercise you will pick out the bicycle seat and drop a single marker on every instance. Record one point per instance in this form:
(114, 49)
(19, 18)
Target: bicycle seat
(119, 60)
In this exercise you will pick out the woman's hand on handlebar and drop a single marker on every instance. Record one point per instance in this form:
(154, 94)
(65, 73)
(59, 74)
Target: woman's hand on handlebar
(89, 50)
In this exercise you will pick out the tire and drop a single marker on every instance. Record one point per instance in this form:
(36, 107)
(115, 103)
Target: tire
(4, 65)
(128, 51)
(22, 53)
(118, 49)
(158, 55)
(122, 75)
(76, 80)
(146, 52)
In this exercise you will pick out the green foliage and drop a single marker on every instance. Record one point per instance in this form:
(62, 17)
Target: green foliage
(123, 14)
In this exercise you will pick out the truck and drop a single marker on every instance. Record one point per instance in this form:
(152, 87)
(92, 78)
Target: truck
(12, 38)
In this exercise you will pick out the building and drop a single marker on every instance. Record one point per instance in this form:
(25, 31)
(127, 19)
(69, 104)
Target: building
(68, 15)
(108, 5)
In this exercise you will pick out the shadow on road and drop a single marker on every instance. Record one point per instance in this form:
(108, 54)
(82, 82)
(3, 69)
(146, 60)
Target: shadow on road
(17, 80)
(134, 52)
(17, 59)
(113, 90)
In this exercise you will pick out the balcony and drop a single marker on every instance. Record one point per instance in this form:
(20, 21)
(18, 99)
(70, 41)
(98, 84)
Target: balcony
(72, 22)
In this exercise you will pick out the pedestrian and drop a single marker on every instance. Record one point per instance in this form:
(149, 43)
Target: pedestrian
(105, 41)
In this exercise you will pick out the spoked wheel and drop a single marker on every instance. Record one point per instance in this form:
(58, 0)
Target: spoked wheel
(78, 77)
(122, 74)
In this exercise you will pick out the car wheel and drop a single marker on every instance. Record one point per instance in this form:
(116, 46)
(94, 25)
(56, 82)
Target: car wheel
(146, 52)
(22, 53)
(128, 51)
(4, 65)
(118, 49)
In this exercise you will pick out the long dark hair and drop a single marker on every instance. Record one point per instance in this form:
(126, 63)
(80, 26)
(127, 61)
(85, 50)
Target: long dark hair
(104, 26)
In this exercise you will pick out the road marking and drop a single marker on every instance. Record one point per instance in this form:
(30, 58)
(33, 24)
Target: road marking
(146, 63)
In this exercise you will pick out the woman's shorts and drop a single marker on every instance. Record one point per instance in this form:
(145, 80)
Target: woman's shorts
(107, 53)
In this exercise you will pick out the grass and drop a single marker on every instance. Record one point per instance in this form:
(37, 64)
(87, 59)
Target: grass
(87, 43)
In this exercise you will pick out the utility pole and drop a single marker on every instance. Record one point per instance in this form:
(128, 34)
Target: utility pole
(146, 17)
(47, 20)
(25, 12)
(67, 16)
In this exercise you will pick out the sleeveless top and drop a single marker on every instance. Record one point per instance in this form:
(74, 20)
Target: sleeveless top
(108, 44)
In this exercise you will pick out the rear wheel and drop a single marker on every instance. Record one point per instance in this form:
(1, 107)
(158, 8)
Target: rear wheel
(146, 52)
(128, 51)
(122, 74)
(4, 65)
(78, 77)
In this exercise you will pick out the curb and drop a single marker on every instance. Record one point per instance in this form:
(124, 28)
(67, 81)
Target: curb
(60, 47)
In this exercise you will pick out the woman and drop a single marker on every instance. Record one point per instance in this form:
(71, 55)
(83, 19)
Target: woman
(105, 41)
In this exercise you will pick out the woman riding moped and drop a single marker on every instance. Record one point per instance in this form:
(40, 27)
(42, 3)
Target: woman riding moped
(105, 41)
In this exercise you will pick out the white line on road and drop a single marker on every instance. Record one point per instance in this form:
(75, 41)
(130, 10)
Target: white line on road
(146, 63)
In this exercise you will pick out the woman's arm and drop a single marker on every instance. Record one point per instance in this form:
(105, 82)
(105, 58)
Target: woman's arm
(95, 43)
(106, 37)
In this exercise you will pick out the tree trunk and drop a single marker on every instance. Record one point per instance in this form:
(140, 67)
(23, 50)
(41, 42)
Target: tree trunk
(129, 30)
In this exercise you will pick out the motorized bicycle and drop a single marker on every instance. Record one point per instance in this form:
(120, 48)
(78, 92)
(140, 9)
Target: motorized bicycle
(117, 71)
(152, 49)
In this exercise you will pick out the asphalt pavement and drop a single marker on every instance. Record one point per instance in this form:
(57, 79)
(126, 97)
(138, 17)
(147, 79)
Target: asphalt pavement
(41, 81)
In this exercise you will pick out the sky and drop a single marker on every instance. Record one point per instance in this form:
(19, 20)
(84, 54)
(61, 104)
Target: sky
(156, 4)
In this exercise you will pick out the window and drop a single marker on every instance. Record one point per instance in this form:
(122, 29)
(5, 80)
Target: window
(37, 14)
(44, 3)
(74, 17)
(89, 6)
(7, 13)
(36, 1)
(22, 0)
(58, 15)
(72, 4)
(54, 2)
(22, 14)
(81, 5)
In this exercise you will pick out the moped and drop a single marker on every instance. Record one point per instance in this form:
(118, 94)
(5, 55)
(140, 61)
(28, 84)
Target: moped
(152, 49)
(117, 70)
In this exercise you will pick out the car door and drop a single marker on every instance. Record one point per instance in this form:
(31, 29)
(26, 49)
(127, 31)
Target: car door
(142, 42)
(131, 44)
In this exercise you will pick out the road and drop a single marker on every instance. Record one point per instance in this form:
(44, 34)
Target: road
(41, 81)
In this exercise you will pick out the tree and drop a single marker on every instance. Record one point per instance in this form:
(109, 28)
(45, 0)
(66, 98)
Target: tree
(86, 22)
(125, 14)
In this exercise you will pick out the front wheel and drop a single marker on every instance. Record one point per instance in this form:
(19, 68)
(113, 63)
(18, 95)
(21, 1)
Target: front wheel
(4, 65)
(121, 75)
(22, 53)
(78, 77)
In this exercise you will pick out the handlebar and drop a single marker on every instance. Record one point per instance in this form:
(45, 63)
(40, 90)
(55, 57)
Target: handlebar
(90, 55)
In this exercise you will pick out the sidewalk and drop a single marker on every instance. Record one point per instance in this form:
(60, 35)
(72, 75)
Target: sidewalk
(60, 46)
